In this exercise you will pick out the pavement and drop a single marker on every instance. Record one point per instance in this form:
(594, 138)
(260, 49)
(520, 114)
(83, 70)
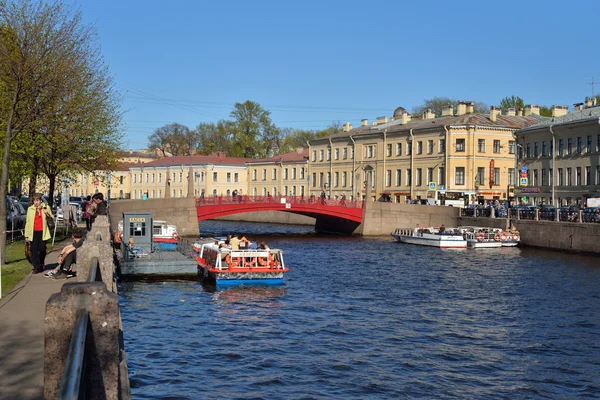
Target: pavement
(22, 322)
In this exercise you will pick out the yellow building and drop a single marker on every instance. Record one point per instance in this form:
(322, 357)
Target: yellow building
(284, 174)
(215, 175)
(460, 155)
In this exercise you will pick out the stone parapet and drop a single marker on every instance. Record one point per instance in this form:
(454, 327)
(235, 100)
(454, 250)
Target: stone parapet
(97, 245)
(382, 218)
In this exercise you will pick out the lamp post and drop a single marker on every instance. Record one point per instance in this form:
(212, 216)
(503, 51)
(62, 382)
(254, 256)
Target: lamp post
(108, 177)
(517, 147)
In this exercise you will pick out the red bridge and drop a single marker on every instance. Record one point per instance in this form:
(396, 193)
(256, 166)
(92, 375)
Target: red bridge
(331, 215)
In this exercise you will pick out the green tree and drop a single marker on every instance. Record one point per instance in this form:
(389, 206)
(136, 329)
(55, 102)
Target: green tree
(175, 139)
(253, 132)
(294, 138)
(333, 127)
(545, 111)
(214, 138)
(436, 104)
(512, 102)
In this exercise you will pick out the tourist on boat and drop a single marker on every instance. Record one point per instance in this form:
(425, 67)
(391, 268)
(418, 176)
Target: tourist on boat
(263, 246)
(442, 228)
(244, 243)
(235, 243)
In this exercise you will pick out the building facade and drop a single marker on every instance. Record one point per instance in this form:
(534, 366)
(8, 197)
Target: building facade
(559, 159)
(284, 174)
(458, 155)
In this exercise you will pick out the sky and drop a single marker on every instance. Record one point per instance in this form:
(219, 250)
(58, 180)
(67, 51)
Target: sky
(311, 63)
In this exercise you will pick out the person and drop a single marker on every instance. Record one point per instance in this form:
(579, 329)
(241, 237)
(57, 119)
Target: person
(67, 258)
(86, 215)
(442, 228)
(235, 243)
(244, 243)
(263, 246)
(323, 197)
(37, 232)
(101, 205)
(269, 198)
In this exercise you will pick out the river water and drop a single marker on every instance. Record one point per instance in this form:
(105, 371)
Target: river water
(370, 318)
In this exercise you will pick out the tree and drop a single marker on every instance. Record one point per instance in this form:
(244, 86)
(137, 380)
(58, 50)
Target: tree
(512, 102)
(214, 138)
(42, 46)
(436, 104)
(253, 132)
(333, 127)
(294, 138)
(175, 139)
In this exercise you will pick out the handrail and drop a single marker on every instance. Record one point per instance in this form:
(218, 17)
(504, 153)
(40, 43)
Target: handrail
(94, 267)
(308, 200)
(74, 369)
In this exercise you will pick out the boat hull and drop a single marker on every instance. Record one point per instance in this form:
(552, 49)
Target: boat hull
(441, 241)
(484, 245)
(227, 278)
(165, 243)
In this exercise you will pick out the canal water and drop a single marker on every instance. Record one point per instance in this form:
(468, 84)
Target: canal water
(362, 318)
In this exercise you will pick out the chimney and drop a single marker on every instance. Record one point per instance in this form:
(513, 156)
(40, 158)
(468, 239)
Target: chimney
(470, 107)
(521, 112)
(588, 102)
(406, 117)
(577, 106)
(428, 114)
(299, 150)
(559, 111)
(532, 109)
(511, 112)
(461, 109)
(494, 112)
(364, 122)
(447, 111)
(347, 127)
(381, 120)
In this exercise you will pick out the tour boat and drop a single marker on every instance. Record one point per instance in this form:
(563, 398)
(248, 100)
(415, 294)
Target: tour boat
(236, 267)
(480, 238)
(449, 238)
(164, 236)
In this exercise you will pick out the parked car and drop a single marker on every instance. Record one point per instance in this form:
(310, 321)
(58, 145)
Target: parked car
(547, 212)
(591, 214)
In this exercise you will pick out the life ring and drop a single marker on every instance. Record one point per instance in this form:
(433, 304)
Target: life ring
(497, 237)
(263, 261)
(251, 263)
(480, 237)
(229, 262)
(515, 237)
(175, 235)
(503, 236)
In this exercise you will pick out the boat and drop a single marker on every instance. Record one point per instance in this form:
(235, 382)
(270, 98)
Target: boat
(512, 239)
(480, 238)
(240, 267)
(164, 236)
(449, 238)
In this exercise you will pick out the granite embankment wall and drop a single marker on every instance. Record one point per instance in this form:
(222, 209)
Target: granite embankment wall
(382, 218)
(565, 236)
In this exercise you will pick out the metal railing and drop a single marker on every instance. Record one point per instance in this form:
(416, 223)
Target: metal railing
(75, 369)
(217, 200)
(534, 214)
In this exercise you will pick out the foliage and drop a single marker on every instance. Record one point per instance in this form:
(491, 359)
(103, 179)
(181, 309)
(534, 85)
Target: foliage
(436, 104)
(174, 139)
(253, 133)
(512, 102)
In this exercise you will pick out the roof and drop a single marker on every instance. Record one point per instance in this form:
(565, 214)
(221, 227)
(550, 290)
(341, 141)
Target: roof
(587, 114)
(293, 156)
(502, 121)
(220, 159)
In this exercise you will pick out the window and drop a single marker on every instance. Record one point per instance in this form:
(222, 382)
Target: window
(314, 179)
(597, 174)
(352, 154)
(543, 183)
(314, 155)
(337, 154)
(569, 177)
(408, 148)
(147, 176)
(534, 181)
(496, 146)
(430, 147)
(560, 147)
(589, 144)
(536, 151)
(560, 177)
(497, 176)
(152, 180)
(294, 173)
(134, 178)
(215, 176)
(160, 178)
(388, 151)
(460, 146)
(264, 174)
(480, 179)
(419, 147)
(236, 177)
(551, 149)
(429, 175)
(579, 145)
(528, 150)
(229, 177)
(285, 174)
(344, 175)
(588, 175)
(511, 147)
(577, 176)
(328, 154)
(569, 146)
(399, 149)
(369, 153)
(550, 176)
(481, 145)
(408, 178)
(398, 177)
(321, 155)
(302, 172)
(441, 176)
(388, 178)
(511, 176)
(442, 146)
(336, 179)
(180, 177)
(544, 150)
(459, 174)
(254, 174)
(419, 180)
(344, 153)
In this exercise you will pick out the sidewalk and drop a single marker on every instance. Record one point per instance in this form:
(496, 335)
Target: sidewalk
(22, 334)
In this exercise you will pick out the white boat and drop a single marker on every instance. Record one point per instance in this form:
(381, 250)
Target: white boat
(449, 238)
(480, 238)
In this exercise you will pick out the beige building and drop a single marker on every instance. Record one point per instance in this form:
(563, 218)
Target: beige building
(459, 155)
(284, 174)
(559, 159)
(215, 175)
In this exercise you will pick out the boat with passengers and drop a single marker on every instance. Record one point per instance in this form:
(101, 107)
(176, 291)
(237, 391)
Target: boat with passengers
(446, 239)
(483, 237)
(235, 267)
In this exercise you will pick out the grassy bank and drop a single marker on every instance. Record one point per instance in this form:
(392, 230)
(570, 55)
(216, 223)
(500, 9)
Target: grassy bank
(17, 267)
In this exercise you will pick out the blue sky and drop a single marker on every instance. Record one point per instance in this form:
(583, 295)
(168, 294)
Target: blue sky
(314, 62)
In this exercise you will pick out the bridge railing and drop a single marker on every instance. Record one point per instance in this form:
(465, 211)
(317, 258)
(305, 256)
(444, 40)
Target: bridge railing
(218, 200)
